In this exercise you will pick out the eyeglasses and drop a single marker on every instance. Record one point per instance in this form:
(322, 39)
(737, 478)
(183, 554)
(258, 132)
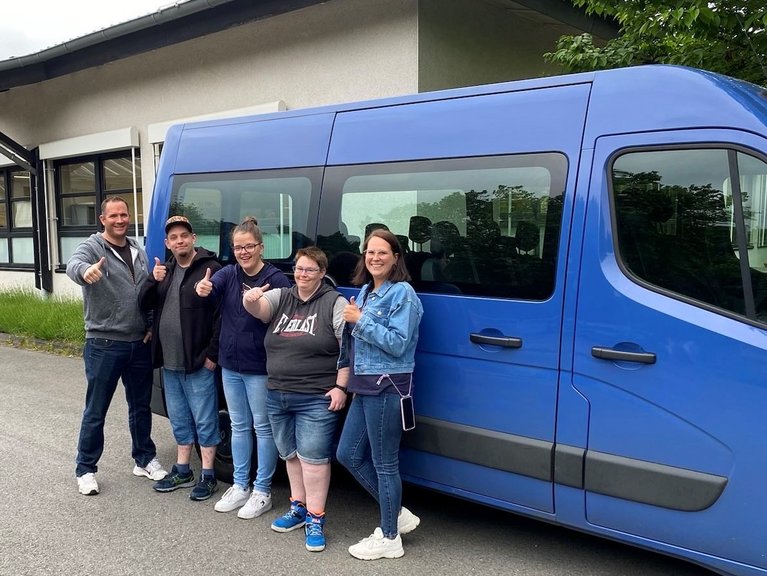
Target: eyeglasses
(377, 253)
(246, 248)
(302, 270)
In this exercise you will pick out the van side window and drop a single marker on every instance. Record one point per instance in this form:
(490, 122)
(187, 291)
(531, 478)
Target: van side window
(471, 226)
(281, 201)
(693, 222)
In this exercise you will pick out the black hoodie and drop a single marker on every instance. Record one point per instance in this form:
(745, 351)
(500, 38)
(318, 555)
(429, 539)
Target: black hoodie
(200, 318)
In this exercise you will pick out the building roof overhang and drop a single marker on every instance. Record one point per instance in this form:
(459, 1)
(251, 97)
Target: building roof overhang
(189, 19)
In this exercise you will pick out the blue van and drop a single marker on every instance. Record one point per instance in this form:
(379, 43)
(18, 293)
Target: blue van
(591, 254)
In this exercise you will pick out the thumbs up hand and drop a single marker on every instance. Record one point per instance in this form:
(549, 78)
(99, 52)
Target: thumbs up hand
(93, 273)
(204, 287)
(352, 312)
(255, 294)
(159, 271)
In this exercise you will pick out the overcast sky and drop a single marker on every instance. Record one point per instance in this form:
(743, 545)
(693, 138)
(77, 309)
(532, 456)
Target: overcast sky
(29, 26)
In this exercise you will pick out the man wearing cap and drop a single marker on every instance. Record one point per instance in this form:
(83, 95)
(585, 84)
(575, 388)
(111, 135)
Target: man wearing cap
(111, 268)
(185, 345)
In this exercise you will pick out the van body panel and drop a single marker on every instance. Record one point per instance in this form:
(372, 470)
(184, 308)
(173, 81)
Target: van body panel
(504, 123)
(644, 99)
(612, 403)
(297, 141)
(698, 408)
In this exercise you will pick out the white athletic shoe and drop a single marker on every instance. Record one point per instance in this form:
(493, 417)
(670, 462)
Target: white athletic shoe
(376, 546)
(153, 470)
(407, 521)
(257, 504)
(232, 499)
(87, 484)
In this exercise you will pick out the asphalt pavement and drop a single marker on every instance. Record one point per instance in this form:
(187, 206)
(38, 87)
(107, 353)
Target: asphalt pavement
(47, 528)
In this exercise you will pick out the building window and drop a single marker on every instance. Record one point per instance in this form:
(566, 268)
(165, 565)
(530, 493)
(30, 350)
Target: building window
(16, 243)
(83, 183)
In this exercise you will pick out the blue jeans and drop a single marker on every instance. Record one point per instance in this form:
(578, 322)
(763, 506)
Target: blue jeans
(369, 449)
(303, 426)
(192, 403)
(246, 401)
(107, 361)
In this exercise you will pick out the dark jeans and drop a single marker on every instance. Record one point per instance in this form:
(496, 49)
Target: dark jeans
(106, 361)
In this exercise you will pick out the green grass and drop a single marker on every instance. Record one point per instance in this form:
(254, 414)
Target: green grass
(23, 313)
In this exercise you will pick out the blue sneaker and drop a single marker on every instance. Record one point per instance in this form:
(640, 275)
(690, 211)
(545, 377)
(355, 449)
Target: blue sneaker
(204, 489)
(294, 518)
(175, 480)
(315, 535)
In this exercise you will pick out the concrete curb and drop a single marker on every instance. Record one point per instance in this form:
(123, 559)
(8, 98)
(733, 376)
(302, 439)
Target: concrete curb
(50, 346)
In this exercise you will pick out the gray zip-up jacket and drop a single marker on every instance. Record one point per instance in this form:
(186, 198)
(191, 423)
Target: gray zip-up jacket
(111, 304)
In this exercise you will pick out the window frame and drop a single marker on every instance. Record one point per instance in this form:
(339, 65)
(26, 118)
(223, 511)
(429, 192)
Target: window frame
(337, 176)
(99, 194)
(740, 244)
(11, 232)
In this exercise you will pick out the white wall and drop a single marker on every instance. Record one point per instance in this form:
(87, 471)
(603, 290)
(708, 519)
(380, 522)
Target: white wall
(339, 51)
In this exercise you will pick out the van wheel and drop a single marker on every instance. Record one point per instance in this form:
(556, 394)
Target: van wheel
(223, 464)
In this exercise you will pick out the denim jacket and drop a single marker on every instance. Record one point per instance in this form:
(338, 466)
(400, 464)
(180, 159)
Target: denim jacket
(387, 332)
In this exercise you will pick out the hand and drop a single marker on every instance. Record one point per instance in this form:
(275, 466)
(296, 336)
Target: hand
(337, 399)
(159, 271)
(147, 336)
(93, 273)
(204, 287)
(209, 364)
(256, 293)
(352, 312)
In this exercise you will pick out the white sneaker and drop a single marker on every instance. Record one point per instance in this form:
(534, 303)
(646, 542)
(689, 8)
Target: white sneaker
(87, 484)
(257, 504)
(376, 546)
(232, 499)
(153, 470)
(407, 521)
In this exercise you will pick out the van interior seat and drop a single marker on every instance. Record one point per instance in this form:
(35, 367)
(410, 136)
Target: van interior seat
(419, 233)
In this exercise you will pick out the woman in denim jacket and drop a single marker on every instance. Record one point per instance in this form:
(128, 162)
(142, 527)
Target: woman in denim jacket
(379, 346)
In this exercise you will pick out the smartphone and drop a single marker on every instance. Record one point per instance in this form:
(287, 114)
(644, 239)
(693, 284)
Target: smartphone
(408, 412)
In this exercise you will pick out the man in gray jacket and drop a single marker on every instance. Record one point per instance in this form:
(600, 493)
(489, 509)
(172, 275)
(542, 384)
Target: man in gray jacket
(111, 268)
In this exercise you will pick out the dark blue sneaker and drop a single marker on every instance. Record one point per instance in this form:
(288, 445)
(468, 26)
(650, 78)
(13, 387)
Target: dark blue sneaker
(315, 535)
(294, 518)
(175, 480)
(204, 489)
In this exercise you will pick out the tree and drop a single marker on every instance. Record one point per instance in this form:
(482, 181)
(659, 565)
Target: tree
(725, 36)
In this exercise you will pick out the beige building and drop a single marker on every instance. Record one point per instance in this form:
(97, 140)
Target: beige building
(87, 118)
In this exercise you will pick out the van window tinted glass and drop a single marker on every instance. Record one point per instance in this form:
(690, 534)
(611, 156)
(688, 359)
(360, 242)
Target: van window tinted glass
(680, 222)
(281, 201)
(477, 226)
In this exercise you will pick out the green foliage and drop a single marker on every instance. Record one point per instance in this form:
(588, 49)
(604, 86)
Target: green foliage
(725, 36)
(24, 313)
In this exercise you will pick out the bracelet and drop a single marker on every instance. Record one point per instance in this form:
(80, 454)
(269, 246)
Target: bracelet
(342, 388)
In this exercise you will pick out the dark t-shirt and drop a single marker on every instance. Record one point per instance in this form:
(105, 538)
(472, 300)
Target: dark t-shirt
(125, 254)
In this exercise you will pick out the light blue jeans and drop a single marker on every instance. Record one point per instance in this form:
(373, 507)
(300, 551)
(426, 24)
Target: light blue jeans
(246, 401)
(192, 403)
(369, 449)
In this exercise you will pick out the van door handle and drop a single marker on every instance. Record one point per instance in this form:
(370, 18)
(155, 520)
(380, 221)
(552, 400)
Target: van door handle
(505, 341)
(613, 354)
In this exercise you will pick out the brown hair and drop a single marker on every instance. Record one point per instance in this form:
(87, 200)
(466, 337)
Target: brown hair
(110, 199)
(398, 272)
(249, 225)
(314, 253)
